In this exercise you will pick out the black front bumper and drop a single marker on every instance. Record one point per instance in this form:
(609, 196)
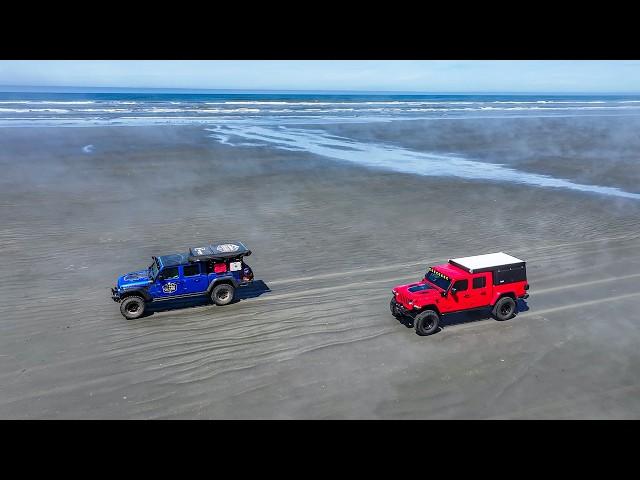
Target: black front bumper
(400, 309)
(115, 296)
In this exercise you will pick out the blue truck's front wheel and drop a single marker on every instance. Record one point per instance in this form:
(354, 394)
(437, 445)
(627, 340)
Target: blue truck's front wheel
(132, 307)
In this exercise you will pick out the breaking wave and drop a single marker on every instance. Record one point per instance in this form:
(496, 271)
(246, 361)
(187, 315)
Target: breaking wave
(158, 108)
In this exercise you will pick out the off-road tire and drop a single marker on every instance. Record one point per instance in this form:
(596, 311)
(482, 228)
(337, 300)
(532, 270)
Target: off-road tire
(426, 323)
(504, 309)
(222, 294)
(132, 307)
(392, 306)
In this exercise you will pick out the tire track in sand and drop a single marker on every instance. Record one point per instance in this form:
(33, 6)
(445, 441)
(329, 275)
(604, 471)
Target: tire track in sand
(208, 355)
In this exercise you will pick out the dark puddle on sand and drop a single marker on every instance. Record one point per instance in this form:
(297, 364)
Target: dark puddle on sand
(396, 158)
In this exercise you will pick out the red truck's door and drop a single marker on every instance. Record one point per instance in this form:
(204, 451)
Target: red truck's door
(459, 297)
(480, 292)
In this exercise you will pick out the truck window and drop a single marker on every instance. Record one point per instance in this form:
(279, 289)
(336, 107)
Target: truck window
(479, 282)
(191, 270)
(461, 285)
(171, 272)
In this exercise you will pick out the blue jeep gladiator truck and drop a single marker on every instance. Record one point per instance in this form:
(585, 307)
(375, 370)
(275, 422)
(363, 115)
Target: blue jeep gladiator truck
(214, 270)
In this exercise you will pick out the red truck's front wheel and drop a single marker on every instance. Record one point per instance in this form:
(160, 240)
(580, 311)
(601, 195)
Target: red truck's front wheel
(426, 323)
(394, 308)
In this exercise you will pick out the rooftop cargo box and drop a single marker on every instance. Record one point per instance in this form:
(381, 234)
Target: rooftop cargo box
(218, 251)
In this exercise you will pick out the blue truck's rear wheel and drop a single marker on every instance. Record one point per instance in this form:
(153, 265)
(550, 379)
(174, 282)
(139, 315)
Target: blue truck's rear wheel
(222, 294)
(132, 307)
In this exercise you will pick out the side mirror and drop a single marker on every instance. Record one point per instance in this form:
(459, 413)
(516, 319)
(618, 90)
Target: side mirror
(454, 290)
(444, 294)
(160, 277)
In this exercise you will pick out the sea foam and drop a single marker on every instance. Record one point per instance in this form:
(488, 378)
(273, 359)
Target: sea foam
(399, 159)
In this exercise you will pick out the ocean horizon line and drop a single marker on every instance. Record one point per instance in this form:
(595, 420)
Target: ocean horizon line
(222, 91)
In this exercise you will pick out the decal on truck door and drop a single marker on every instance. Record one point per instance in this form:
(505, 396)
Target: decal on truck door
(169, 287)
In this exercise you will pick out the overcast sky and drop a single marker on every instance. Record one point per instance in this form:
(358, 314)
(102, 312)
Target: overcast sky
(371, 75)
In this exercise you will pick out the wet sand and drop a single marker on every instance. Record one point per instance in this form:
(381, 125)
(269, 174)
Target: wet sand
(329, 242)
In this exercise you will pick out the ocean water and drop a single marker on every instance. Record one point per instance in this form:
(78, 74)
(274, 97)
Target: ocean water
(21, 109)
(274, 120)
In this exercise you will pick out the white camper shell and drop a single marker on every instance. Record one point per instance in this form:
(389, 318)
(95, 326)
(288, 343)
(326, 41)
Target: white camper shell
(506, 268)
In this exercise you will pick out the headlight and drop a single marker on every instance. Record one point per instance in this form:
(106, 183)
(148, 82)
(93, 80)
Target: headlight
(410, 302)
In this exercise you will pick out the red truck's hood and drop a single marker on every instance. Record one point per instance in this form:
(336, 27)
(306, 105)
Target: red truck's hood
(419, 292)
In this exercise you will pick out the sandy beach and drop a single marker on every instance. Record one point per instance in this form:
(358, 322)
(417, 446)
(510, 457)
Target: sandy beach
(315, 338)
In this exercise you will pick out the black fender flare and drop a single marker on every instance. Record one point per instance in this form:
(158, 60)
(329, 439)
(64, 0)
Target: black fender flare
(506, 294)
(139, 292)
(430, 307)
(219, 280)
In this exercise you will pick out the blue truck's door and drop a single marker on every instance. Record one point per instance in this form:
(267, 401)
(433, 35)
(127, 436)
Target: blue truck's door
(170, 285)
(194, 279)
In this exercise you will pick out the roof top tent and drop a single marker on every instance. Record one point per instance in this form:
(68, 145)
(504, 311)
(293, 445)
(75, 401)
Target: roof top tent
(218, 251)
(487, 263)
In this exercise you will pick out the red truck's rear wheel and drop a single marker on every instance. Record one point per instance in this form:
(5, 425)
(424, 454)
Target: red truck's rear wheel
(426, 323)
(504, 309)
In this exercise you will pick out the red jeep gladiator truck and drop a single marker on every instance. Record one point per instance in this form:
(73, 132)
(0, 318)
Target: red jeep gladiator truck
(494, 280)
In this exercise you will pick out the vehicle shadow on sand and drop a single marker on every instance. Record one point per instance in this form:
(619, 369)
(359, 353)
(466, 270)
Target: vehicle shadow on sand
(253, 290)
(461, 318)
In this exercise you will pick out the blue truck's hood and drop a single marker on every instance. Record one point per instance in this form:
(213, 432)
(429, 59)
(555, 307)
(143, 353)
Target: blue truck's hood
(134, 279)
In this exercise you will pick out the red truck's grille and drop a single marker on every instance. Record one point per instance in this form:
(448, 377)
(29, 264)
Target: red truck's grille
(403, 299)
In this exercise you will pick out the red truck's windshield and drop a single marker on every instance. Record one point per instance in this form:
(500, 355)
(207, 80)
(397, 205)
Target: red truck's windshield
(437, 280)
